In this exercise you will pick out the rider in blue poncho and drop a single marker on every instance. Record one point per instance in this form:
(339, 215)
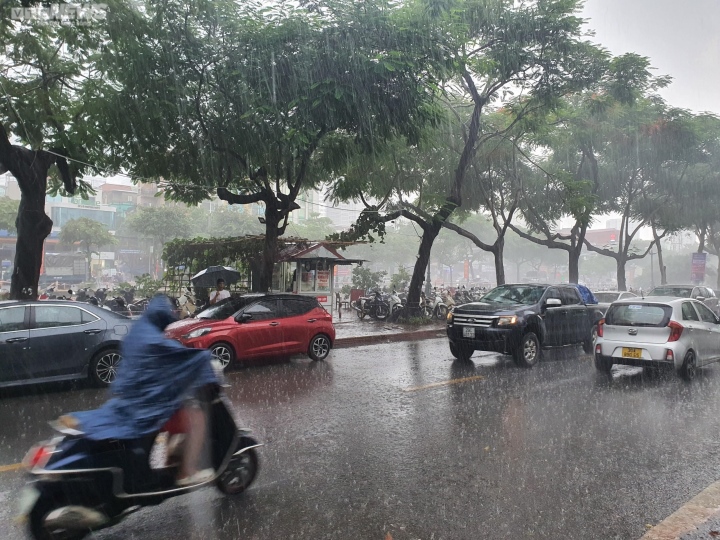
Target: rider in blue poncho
(157, 377)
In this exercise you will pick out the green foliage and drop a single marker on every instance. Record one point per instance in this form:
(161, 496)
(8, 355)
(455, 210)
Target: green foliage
(89, 233)
(364, 278)
(400, 280)
(146, 286)
(161, 223)
(8, 214)
(313, 228)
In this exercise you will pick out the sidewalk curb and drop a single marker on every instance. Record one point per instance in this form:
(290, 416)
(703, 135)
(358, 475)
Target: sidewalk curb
(342, 343)
(689, 516)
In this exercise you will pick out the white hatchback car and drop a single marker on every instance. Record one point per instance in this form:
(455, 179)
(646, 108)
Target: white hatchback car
(656, 332)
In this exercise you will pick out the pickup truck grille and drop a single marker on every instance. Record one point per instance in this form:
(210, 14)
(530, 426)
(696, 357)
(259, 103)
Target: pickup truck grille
(481, 321)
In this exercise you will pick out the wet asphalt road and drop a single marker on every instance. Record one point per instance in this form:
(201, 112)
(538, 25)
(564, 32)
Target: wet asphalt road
(367, 444)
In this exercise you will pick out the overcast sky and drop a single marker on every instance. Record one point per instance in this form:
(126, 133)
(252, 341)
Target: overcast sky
(681, 38)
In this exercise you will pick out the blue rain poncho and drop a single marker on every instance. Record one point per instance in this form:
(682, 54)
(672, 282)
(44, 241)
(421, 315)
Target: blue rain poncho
(155, 376)
(586, 294)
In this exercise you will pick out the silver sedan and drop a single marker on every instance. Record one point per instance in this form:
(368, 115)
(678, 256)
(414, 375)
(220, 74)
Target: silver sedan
(658, 331)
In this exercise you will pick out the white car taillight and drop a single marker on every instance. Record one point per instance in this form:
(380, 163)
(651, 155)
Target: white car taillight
(598, 349)
(669, 356)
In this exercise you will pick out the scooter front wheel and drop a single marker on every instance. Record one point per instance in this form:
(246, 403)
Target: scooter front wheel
(239, 474)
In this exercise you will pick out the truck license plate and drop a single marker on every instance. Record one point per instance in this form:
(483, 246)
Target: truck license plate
(629, 352)
(468, 332)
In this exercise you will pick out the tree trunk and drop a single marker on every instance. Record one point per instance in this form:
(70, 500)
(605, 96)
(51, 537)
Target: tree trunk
(663, 270)
(421, 265)
(498, 253)
(574, 264)
(270, 251)
(621, 281)
(33, 226)
(430, 231)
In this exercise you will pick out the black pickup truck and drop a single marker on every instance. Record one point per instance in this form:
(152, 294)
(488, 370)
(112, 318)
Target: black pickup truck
(520, 319)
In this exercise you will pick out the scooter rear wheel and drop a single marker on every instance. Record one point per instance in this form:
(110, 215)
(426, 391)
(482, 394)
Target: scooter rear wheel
(239, 474)
(36, 522)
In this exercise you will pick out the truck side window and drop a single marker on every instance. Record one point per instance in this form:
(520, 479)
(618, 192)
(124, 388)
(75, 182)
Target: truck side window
(570, 296)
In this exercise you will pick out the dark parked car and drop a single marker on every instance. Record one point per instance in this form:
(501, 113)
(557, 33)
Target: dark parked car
(520, 319)
(704, 294)
(259, 325)
(55, 340)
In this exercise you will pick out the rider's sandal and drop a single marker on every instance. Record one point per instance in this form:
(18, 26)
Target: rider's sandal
(199, 477)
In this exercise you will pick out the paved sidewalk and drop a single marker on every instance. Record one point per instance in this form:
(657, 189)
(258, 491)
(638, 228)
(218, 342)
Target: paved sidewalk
(697, 519)
(352, 332)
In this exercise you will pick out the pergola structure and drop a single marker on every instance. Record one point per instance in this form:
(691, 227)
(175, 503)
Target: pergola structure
(312, 261)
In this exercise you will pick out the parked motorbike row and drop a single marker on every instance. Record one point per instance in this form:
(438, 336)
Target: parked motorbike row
(124, 301)
(380, 306)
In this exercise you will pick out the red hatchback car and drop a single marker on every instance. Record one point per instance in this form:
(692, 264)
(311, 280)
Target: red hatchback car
(259, 325)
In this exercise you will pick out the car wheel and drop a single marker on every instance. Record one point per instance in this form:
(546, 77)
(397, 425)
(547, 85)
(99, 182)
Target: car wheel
(603, 365)
(319, 347)
(527, 353)
(689, 367)
(588, 345)
(223, 353)
(463, 354)
(103, 367)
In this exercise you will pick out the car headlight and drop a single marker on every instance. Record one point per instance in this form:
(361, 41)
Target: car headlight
(197, 333)
(504, 321)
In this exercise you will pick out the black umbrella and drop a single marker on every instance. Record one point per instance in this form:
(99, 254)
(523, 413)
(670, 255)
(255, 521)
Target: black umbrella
(209, 276)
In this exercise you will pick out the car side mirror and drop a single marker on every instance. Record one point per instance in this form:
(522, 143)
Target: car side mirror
(553, 302)
(700, 298)
(244, 317)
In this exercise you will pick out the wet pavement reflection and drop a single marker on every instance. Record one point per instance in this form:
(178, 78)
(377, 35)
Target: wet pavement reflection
(367, 444)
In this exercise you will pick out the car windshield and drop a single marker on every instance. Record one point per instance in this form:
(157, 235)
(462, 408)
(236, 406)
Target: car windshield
(606, 297)
(678, 292)
(515, 294)
(638, 315)
(226, 308)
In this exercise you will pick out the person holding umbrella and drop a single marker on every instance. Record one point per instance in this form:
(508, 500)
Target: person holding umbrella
(220, 294)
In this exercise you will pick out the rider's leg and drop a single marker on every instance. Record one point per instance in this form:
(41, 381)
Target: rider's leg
(195, 441)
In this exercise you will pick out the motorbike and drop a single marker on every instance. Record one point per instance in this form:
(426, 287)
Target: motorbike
(434, 307)
(187, 304)
(395, 302)
(375, 306)
(78, 485)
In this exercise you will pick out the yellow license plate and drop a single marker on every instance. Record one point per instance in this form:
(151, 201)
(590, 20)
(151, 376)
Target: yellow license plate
(628, 352)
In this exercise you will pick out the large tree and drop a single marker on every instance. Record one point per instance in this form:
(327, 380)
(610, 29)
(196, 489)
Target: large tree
(496, 48)
(237, 97)
(90, 234)
(46, 79)
(160, 224)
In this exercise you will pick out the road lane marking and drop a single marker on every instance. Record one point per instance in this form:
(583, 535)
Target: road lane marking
(10, 468)
(444, 383)
(689, 516)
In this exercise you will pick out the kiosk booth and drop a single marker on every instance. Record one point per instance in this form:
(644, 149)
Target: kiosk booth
(308, 269)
